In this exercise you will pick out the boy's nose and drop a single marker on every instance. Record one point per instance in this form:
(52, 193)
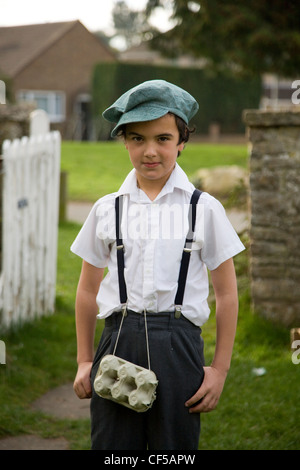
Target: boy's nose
(150, 150)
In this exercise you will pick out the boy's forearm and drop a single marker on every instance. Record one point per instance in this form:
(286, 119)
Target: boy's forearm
(226, 321)
(226, 294)
(86, 312)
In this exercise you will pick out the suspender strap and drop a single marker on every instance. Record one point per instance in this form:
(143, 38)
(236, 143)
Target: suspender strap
(120, 251)
(186, 254)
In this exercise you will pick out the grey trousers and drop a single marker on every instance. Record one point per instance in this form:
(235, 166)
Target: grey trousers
(176, 355)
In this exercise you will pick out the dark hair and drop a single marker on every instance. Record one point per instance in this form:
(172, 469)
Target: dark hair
(183, 129)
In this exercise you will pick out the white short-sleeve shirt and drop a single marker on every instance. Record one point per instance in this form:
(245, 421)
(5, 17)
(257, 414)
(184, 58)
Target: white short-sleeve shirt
(154, 234)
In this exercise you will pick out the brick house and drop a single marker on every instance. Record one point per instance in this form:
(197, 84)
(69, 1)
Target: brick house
(51, 64)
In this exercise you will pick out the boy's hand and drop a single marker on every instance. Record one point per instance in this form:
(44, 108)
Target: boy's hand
(82, 384)
(209, 392)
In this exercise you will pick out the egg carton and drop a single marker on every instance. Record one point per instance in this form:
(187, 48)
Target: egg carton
(125, 383)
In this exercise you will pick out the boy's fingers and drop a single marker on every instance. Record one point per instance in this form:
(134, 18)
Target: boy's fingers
(199, 395)
(87, 391)
(81, 391)
(82, 384)
(206, 405)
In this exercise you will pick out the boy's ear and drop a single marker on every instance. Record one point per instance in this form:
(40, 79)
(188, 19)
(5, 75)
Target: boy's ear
(181, 146)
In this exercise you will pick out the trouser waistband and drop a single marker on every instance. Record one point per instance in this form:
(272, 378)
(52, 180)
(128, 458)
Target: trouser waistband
(163, 319)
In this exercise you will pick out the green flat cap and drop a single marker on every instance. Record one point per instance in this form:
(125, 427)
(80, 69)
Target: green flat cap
(151, 100)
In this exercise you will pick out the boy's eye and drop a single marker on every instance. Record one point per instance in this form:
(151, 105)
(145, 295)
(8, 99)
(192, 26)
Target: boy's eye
(139, 138)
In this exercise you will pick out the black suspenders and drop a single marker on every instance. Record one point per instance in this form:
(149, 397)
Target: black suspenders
(186, 254)
(120, 252)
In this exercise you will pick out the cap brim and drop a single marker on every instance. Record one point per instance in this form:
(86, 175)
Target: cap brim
(141, 113)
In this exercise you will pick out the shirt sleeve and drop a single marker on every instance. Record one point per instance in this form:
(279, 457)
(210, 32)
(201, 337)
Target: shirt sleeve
(92, 243)
(220, 240)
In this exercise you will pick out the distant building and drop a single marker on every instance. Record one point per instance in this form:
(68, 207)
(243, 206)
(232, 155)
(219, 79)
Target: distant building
(144, 54)
(51, 64)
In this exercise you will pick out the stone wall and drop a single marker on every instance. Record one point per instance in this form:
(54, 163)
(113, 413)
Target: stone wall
(14, 121)
(275, 214)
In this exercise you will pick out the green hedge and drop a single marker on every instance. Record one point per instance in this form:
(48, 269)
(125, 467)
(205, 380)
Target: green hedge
(222, 97)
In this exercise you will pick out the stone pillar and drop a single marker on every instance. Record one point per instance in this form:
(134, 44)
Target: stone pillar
(14, 121)
(275, 213)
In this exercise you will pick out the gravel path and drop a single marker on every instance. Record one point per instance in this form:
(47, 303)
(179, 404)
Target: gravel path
(60, 402)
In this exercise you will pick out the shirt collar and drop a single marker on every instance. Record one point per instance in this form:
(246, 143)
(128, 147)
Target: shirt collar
(178, 179)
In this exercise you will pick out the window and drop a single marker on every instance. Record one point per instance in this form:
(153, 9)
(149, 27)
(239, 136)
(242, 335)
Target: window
(53, 102)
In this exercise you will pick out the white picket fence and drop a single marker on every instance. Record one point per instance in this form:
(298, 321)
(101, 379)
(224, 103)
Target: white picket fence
(31, 173)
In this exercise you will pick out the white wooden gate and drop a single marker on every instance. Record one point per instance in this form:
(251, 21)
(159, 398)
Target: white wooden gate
(31, 169)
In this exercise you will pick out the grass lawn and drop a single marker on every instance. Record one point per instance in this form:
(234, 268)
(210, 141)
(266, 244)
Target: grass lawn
(255, 412)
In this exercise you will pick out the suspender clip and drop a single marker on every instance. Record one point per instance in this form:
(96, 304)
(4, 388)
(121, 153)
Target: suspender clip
(177, 311)
(120, 247)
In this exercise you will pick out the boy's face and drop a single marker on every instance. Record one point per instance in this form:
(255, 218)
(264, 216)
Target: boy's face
(153, 148)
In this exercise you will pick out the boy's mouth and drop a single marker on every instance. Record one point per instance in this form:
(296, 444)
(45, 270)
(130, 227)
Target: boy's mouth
(151, 164)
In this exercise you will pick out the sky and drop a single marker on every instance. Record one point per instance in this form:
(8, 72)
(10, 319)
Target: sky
(94, 14)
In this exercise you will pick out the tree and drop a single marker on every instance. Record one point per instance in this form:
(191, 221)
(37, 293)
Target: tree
(253, 35)
(132, 26)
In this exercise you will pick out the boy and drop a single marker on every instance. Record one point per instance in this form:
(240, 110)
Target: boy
(152, 118)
